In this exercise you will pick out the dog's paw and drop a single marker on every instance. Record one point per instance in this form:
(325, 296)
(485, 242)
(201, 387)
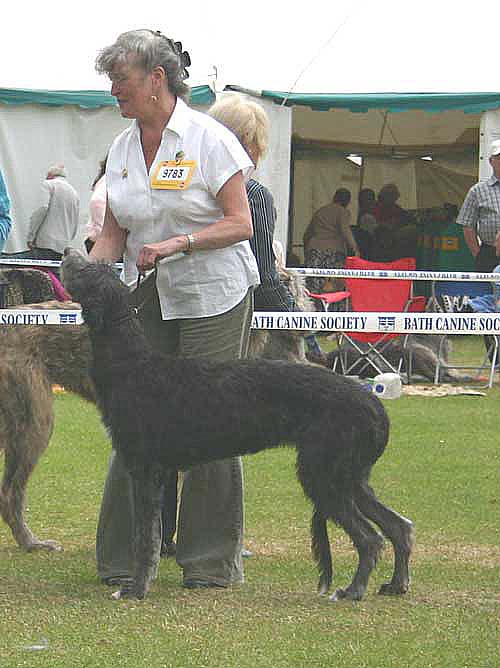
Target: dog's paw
(345, 595)
(132, 594)
(129, 590)
(48, 545)
(393, 589)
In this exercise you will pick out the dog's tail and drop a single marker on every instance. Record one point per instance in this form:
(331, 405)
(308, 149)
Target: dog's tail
(321, 551)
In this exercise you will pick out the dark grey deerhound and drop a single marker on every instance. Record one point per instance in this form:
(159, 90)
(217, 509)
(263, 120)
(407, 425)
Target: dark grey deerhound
(165, 413)
(33, 358)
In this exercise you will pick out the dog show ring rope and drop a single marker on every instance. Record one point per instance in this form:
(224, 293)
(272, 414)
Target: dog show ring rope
(339, 321)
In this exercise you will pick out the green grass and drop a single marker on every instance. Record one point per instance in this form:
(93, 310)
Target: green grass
(441, 469)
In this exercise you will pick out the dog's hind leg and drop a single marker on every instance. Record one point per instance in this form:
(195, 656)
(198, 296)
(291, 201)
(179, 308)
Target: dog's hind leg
(147, 490)
(320, 546)
(26, 421)
(329, 486)
(397, 529)
(19, 465)
(366, 540)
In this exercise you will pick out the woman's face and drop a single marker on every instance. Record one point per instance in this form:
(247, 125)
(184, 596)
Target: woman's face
(133, 89)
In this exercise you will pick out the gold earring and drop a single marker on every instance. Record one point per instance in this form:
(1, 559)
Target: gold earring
(154, 98)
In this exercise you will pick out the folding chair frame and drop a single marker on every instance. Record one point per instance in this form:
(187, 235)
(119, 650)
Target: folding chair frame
(489, 361)
(453, 289)
(371, 354)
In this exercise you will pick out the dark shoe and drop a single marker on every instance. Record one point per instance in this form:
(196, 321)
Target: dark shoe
(168, 549)
(201, 584)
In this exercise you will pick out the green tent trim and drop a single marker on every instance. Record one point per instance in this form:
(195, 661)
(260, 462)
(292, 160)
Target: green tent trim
(469, 103)
(87, 99)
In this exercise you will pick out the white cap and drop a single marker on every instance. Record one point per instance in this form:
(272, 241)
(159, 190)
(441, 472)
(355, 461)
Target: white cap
(495, 147)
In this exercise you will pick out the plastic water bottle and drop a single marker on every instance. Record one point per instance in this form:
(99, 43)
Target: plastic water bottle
(387, 385)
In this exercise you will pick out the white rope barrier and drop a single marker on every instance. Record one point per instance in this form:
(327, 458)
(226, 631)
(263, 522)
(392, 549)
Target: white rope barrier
(397, 323)
(29, 262)
(314, 271)
(400, 275)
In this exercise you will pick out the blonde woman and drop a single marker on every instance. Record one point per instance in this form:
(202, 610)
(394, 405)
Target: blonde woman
(249, 122)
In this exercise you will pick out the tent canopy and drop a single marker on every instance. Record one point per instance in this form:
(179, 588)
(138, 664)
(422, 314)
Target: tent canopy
(39, 128)
(470, 103)
(390, 133)
(390, 124)
(87, 99)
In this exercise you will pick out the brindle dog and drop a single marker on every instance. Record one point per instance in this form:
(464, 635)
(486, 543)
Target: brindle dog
(33, 358)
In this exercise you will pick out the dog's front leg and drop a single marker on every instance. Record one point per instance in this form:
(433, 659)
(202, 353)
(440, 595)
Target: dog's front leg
(147, 490)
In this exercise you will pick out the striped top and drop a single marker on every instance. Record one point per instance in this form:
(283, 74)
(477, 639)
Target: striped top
(271, 294)
(481, 210)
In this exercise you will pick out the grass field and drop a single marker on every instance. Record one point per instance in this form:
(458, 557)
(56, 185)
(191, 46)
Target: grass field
(441, 469)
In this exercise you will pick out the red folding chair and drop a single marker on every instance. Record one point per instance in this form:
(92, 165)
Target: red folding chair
(358, 351)
(328, 298)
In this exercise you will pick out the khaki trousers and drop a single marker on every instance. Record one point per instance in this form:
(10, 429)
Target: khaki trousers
(210, 528)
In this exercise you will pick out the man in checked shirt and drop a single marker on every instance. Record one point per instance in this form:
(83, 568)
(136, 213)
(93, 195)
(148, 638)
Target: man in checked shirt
(480, 216)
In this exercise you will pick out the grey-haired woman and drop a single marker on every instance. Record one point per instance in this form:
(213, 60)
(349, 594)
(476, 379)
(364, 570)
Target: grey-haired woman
(176, 200)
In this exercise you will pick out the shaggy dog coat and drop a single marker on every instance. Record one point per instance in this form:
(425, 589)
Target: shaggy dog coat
(31, 360)
(167, 413)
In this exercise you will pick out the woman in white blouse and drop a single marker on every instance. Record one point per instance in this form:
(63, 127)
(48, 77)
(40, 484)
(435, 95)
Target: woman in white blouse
(177, 202)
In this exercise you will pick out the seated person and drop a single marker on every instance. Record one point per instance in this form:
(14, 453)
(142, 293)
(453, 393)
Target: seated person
(366, 225)
(387, 213)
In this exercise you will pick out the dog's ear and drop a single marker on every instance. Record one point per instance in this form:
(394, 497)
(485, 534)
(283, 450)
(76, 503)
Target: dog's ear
(94, 318)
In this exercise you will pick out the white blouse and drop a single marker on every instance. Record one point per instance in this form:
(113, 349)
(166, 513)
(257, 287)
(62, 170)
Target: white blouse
(207, 282)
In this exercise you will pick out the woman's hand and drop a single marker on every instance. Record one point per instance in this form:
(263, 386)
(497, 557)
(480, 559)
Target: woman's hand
(150, 254)
(236, 225)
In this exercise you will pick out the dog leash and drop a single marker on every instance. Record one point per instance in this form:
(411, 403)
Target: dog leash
(143, 291)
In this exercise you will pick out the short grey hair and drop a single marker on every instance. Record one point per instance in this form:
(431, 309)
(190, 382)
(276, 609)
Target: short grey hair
(245, 118)
(148, 49)
(56, 170)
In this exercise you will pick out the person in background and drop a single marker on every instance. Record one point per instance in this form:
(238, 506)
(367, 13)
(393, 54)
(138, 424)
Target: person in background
(386, 210)
(366, 224)
(197, 221)
(328, 239)
(97, 207)
(480, 217)
(249, 122)
(5, 219)
(55, 223)
(394, 237)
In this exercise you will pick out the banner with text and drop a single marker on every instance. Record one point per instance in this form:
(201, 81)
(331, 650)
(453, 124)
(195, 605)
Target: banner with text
(34, 316)
(397, 323)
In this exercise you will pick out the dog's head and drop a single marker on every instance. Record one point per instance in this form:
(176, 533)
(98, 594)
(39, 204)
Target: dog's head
(96, 286)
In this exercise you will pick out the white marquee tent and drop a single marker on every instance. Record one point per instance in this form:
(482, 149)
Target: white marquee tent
(386, 137)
